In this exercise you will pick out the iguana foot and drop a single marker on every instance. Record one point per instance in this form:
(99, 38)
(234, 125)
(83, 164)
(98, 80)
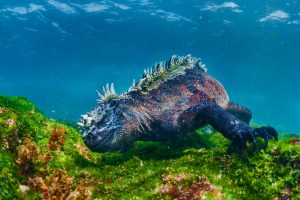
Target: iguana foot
(242, 137)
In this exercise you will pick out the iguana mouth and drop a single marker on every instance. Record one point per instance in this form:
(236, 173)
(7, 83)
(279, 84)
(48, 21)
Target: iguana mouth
(102, 140)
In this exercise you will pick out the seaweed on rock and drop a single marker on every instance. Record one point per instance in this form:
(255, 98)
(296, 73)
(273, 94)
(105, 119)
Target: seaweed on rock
(42, 159)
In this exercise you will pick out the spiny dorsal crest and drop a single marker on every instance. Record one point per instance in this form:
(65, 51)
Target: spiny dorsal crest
(173, 63)
(108, 93)
(176, 65)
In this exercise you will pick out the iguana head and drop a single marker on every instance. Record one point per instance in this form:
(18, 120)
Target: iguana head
(101, 127)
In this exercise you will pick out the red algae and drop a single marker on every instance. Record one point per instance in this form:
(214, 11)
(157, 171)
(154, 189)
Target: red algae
(295, 141)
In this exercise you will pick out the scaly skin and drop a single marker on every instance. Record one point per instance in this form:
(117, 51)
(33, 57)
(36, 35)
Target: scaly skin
(170, 101)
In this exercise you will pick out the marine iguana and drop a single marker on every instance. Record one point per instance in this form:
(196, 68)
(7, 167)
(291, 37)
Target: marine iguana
(171, 99)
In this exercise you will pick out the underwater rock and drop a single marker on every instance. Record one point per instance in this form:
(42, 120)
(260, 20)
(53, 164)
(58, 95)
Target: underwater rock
(52, 159)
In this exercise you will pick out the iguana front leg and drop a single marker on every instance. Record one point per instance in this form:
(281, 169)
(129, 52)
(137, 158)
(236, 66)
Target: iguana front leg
(227, 124)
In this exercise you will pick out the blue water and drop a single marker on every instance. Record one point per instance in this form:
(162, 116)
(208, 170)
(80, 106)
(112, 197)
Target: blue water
(57, 53)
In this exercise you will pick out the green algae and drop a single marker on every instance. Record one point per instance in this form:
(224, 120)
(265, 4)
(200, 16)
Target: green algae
(51, 159)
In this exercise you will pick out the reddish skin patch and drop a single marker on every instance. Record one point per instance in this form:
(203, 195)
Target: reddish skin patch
(215, 91)
(195, 98)
(184, 90)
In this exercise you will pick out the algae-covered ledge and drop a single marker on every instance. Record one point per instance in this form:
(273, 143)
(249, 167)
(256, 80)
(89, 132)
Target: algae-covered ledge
(43, 159)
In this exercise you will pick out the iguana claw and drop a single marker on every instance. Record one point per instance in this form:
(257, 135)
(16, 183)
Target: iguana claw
(267, 133)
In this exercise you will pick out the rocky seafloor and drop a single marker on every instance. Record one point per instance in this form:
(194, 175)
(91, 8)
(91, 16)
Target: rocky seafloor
(41, 158)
